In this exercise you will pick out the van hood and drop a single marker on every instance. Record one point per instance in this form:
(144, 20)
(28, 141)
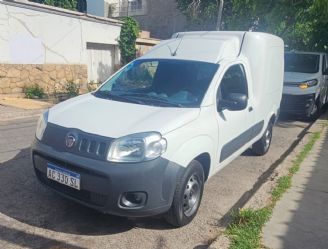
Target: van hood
(116, 119)
(299, 77)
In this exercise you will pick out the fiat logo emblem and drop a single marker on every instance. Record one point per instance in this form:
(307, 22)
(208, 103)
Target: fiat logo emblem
(70, 140)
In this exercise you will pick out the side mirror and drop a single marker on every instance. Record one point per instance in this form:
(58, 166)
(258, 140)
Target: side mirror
(234, 102)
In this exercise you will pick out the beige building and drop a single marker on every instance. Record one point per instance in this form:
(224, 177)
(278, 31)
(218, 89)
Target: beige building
(161, 18)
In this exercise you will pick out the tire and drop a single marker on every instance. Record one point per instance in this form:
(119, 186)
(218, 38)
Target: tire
(187, 196)
(262, 146)
(315, 112)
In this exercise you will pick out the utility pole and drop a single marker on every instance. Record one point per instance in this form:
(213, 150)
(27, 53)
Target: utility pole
(127, 8)
(218, 24)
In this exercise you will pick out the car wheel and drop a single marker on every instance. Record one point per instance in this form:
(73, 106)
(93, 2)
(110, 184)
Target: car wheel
(261, 147)
(187, 196)
(315, 112)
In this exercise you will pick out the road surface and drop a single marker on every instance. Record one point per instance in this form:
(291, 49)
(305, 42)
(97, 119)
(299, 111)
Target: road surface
(32, 216)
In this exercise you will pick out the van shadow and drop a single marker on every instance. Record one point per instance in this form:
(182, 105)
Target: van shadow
(287, 117)
(24, 199)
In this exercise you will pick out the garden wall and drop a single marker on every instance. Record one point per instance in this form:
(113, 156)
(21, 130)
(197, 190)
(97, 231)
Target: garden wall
(49, 46)
(51, 77)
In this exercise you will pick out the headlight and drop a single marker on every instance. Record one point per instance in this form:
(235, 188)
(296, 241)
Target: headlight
(137, 147)
(307, 84)
(41, 126)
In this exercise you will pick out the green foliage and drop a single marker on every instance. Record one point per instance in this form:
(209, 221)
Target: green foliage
(128, 37)
(34, 91)
(283, 183)
(246, 227)
(72, 89)
(302, 23)
(65, 4)
(200, 14)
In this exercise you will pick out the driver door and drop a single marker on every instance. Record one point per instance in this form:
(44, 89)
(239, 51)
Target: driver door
(235, 126)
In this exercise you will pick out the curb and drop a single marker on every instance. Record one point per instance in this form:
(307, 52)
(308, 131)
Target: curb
(263, 194)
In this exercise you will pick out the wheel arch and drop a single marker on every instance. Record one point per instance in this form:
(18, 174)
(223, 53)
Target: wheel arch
(200, 148)
(205, 160)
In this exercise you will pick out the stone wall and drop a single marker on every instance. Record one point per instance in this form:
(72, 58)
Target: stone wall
(51, 77)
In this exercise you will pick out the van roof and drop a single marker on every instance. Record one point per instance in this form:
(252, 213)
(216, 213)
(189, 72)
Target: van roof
(207, 46)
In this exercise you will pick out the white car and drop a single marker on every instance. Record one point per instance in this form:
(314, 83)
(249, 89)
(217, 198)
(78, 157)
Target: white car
(148, 139)
(306, 83)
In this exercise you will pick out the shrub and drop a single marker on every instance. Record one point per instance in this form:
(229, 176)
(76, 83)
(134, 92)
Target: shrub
(72, 89)
(127, 41)
(92, 86)
(34, 91)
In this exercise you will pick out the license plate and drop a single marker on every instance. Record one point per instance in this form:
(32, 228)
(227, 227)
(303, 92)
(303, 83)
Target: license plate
(63, 176)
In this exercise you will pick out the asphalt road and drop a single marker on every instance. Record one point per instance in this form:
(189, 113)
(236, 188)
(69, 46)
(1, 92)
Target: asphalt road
(32, 216)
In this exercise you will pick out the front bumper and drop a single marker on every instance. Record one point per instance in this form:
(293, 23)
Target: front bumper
(104, 183)
(297, 104)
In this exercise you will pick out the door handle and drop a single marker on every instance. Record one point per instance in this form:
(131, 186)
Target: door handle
(250, 108)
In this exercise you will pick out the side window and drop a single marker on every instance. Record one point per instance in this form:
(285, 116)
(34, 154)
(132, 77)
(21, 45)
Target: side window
(233, 81)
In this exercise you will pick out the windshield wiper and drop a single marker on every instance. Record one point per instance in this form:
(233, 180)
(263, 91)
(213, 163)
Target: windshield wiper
(113, 96)
(158, 99)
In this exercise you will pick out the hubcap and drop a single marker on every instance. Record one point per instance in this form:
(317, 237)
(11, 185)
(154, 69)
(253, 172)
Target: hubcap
(191, 196)
(314, 109)
(268, 135)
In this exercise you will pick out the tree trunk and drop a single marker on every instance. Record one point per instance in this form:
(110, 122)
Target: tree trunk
(218, 25)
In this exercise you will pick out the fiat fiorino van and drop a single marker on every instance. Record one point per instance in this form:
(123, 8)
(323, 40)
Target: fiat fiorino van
(145, 142)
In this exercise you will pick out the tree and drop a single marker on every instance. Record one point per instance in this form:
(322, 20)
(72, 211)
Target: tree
(66, 4)
(127, 42)
(301, 23)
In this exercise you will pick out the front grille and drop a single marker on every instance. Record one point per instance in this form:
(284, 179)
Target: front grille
(92, 147)
(86, 145)
(296, 102)
(82, 195)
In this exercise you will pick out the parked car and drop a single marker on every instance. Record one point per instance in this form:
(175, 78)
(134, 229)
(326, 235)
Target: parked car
(306, 84)
(148, 139)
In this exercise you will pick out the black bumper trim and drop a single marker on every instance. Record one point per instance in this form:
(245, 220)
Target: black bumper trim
(103, 183)
(297, 104)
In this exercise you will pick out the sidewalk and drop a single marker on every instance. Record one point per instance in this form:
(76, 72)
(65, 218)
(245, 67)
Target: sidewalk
(17, 108)
(300, 218)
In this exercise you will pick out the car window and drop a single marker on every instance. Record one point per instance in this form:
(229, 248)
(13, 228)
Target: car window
(302, 63)
(233, 81)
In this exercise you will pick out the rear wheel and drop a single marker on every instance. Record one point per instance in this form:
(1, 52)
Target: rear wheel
(261, 147)
(187, 196)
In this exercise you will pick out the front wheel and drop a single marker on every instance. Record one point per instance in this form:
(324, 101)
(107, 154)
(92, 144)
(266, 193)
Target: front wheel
(261, 147)
(187, 196)
(315, 112)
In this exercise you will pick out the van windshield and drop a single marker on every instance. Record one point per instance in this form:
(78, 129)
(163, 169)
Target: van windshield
(160, 82)
(302, 63)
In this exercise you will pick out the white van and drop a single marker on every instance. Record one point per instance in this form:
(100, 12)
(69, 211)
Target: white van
(306, 83)
(148, 139)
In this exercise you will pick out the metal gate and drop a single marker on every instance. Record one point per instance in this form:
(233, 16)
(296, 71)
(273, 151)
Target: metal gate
(101, 58)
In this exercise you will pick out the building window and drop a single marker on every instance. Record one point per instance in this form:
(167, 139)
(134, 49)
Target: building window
(120, 8)
(135, 5)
